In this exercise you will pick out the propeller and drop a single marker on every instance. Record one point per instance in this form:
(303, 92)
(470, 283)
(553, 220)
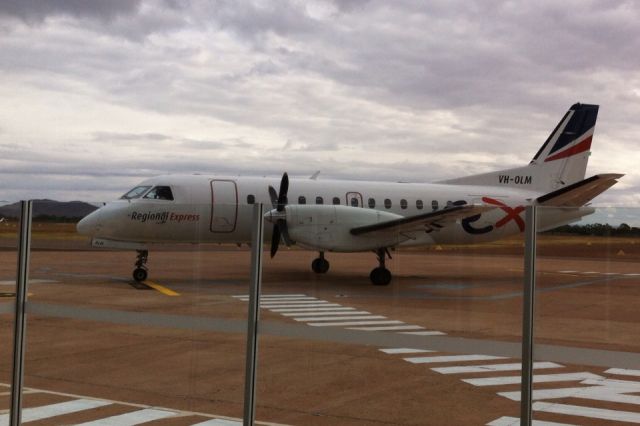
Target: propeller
(279, 202)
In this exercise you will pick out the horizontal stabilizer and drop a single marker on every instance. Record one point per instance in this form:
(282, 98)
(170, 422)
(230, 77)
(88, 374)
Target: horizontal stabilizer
(579, 193)
(423, 222)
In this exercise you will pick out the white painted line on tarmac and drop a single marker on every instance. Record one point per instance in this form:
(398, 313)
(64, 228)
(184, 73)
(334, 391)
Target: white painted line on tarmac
(291, 302)
(347, 318)
(515, 421)
(393, 351)
(327, 313)
(310, 305)
(631, 275)
(598, 393)
(425, 333)
(492, 367)
(269, 295)
(537, 378)
(596, 413)
(332, 309)
(282, 299)
(623, 372)
(568, 272)
(619, 385)
(390, 328)
(133, 418)
(451, 358)
(218, 422)
(59, 409)
(351, 323)
(590, 273)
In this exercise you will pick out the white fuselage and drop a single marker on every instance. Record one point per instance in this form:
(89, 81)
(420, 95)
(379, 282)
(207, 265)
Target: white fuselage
(218, 209)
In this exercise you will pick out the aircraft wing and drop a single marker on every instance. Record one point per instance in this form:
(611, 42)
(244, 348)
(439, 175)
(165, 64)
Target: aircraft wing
(423, 222)
(579, 193)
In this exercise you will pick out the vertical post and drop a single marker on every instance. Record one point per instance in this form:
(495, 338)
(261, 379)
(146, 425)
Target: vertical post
(257, 238)
(19, 334)
(527, 315)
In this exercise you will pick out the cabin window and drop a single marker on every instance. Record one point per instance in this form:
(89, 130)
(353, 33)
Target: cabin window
(336, 201)
(387, 203)
(135, 193)
(403, 204)
(319, 200)
(372, 203)
(449, 204)
(302, 200)
(419, 204)
(160, 193)
(354, 202)
(251, 199)
(434, 205)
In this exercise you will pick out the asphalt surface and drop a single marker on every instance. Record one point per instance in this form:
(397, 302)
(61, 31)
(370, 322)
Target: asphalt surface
(437, 346)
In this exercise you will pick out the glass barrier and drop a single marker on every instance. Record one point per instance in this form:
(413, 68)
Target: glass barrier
(587, 320)
(9, 235)
(337, 349)
(138, 317)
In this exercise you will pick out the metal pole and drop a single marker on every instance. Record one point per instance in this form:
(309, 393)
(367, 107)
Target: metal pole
(253, 316)
(20, 325)
(528, 315)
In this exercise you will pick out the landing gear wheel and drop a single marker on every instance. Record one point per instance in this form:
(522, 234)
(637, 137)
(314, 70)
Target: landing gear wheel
(380, 276)
(139, 274)
(320, 265)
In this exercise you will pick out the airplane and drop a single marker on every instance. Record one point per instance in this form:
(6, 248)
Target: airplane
(355, 216)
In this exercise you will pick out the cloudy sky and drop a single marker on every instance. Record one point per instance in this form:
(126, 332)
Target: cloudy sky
(97, 95)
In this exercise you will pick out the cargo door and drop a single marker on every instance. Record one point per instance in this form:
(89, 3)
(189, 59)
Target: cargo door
(224, 205)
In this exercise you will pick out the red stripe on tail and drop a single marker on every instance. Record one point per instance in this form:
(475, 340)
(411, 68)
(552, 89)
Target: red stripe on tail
(585, 145)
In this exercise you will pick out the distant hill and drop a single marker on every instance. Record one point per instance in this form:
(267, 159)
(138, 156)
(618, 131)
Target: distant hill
(51, 210)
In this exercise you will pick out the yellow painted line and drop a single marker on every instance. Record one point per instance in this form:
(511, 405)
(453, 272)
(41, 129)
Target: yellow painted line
(160, 288)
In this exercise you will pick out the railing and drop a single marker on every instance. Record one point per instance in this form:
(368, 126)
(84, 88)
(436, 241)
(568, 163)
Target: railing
(457, 323)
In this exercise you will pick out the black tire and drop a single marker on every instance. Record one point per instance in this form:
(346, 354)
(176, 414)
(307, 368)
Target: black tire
(320, 266)
(140, 274)
(380, 276)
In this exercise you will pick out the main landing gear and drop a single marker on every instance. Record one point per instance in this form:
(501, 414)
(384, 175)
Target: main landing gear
(381, 275)
(320, 265)
(140, 273)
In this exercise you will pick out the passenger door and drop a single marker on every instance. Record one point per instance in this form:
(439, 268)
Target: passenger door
(224, 205)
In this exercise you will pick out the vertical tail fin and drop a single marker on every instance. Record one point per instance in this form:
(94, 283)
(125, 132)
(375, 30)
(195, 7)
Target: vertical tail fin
(566, 151)
(562, 159)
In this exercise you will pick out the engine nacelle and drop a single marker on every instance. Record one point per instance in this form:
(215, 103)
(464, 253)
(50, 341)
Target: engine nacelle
(324, 227)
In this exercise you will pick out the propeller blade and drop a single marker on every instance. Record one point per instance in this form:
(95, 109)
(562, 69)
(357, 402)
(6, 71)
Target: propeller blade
(275, 240)
(274, 196)
(284, 188)
(284, 230)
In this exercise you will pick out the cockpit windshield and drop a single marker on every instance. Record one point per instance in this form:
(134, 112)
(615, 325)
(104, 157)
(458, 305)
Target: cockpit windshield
(160, 193)
(136, 192)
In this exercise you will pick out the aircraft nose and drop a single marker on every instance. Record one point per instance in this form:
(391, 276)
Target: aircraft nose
(89, 224)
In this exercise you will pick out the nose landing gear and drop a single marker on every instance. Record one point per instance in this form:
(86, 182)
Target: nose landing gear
(140, 273)
(381, 275)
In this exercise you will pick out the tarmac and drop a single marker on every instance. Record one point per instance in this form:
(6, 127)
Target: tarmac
(438, 346)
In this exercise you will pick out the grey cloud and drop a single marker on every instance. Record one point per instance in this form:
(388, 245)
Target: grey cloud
(35, 11)
(361, 80)
(128, 137)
